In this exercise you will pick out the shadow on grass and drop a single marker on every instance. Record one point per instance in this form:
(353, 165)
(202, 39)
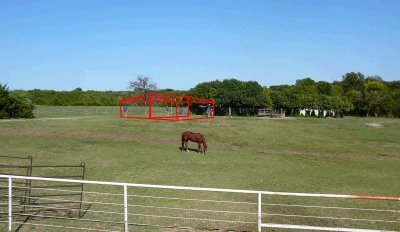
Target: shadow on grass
(190, 149)
(49, 213)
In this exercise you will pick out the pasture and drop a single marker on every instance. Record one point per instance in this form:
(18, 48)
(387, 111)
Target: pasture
(315, 155)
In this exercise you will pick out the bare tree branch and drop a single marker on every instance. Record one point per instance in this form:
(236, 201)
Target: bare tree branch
(142, 85)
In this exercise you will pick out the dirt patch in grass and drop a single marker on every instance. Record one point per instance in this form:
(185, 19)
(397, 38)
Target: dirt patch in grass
(375, 124)
(82, 135)
(284, 118)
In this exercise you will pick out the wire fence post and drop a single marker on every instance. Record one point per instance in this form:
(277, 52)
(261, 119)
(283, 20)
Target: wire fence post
(126, 207)
(9, 204)
(259, 212)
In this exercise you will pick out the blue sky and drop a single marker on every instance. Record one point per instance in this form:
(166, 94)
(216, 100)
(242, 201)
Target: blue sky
(101, 45)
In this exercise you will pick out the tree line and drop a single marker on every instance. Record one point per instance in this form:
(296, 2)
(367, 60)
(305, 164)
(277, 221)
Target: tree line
(76, 97)
(354, 94)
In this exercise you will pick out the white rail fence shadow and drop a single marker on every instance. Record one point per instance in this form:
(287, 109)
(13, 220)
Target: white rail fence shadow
(112, 206)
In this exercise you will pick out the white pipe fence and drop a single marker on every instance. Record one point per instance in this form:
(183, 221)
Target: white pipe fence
(107, 207)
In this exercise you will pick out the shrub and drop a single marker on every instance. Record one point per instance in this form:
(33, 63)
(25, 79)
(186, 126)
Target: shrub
(14, 105)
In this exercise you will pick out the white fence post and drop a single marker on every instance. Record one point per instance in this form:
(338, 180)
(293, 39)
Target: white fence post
(386, 222)
(126, 207)
(9, 203)
(259, 212)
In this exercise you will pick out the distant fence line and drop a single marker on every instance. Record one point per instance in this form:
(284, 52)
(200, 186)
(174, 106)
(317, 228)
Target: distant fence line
(74, 111)
(114, 206)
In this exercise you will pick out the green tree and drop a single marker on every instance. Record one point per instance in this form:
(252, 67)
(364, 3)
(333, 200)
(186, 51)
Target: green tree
(306, 86)
(207, 90)
(309, 101)
(14, 104)
(353, 81)
(393, 84)
(395, 103)
(244, 98)
(353, 86)
(279, 99)
(229, 93)
(267, 97)
(252, 94)
(376, 94)
(324, 88)
(20, 106)
(4, 101)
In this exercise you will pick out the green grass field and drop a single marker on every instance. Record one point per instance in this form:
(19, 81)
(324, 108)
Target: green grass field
(314, 155)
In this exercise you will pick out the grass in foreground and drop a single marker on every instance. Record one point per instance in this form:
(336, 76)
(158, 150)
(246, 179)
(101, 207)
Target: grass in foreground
(342, 156)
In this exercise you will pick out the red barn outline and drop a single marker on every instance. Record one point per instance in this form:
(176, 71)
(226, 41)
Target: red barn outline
(167, 98)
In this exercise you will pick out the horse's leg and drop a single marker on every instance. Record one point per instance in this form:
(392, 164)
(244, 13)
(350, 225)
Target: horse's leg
(199, 144)
(186, 145)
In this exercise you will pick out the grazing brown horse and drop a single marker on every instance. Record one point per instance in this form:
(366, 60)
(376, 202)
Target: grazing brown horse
(194, 137)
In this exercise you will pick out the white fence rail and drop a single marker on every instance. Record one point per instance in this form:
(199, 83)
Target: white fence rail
(111, 206)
